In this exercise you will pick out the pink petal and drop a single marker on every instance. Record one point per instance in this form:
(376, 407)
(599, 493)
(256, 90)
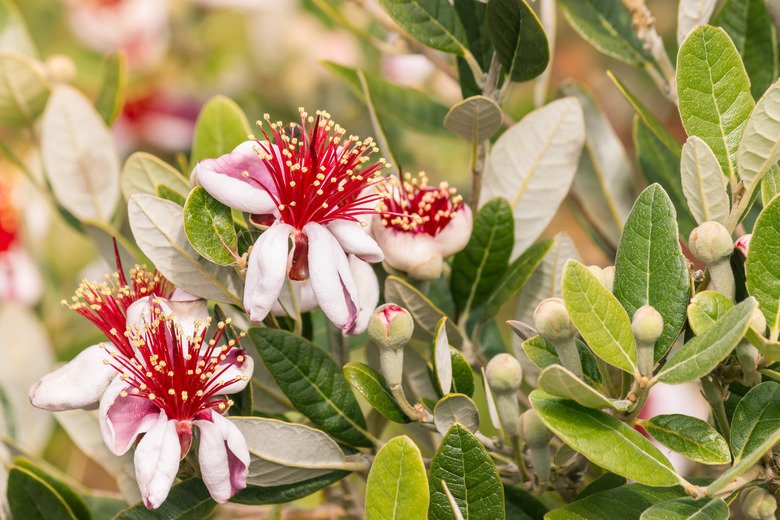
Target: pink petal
(78, 384)
(224, 180)
(368, 293)
(354, 239)
(223, 457)
(266, 270)
(456, 233)
(123, 419)
(157, 461)
(404, 250)
(331, 278)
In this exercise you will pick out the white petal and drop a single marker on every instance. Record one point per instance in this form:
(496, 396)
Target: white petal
(123, 419)
(242, 369)
(303, 293)
(354, 239)
(331, 278)
(223, 457)
(405, 251)
(157, 461)
(222, 178)
(266, 270)
(456, 233)
(368, 293)
(77, 384)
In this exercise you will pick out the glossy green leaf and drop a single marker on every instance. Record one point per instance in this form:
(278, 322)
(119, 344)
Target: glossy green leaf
(603, 482)
(762, 267)
(621, 503)
(599, 317)
(606, 25)
(650, 268)
(701, 354)
(462, 376)
(770, 184)
(111, 96)
(24, 89)
(759, 149)
(689, 436)
(455, 408)
(68, 495)
(143, 172)
(442, 360)
(433, 22)
(748, 24)
(688, 508)
(514, 278)
(559, 381)
(474, 119)
(257, 495)
(471, 476)
(703, 182)
(30, 497)
(13, 31)
(397, 485)
(221, 126)
(313, 383)
(714, 93)
(478, 267)
(706, 308)
(472, 14)
(187, 500)
(209, 227)
(518, 37)
(605, 440)
(372, 386)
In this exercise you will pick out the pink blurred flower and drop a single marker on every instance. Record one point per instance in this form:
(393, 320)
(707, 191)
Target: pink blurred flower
(20, 280)
(156, 119)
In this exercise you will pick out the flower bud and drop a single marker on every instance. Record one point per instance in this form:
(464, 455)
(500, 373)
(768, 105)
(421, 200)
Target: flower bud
(60, 68)
(552, 320)
(647, 325)
(504, 374)
(609, 277)
(743, 244)
(758, 321)
(710, 242)
(533, 431)
(759, 504)
(390, 326)
(598, 273)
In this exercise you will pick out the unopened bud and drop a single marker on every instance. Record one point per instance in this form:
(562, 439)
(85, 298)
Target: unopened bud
(598, 273)
(60, 68)
(609, 277)
(711, 242)
(390, 326)
(759, 504)
(743, 244)
(552, 320)
(647, 325)
(758, 321)
(537, 437)
(504, 374)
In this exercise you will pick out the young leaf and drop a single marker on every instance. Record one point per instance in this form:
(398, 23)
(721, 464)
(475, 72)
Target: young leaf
(313, 383)
(714, 93)
(111, 97)
(689, 436)
(621, 503)
(700, 355)
(187, 500)
(650, 268)
(605, 440)
(474, 119)
(559, 381)
(442, 361)
(759, 149)
(455, 408)
(143, 172)
(30, 497)
(519, 39)
(209, 227)
(13, 31)
(691, 13)
(599, 317)
(221, 126)
(262, 495)
(396, 488)
(479, 266)
(762, 267)
(703, 182)
(532, 165)
(24, 90)
(462, 376)
(705, 309)
(688, 508)
(433, 22)
(471, 476)
(372, 386)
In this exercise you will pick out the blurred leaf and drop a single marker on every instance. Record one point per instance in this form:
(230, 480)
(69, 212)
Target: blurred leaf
(455, 408)
(209, 227)
(714, 93)
(606, 441)
(650, 268)
(759, 149)
(68, 495)
(143, 172)
(762, 267)
(471, 476)
(770, 184)
(688, 508)
(532, 165)
(705, 309)
(442, 360)
(434, 22)
(80, 156)
(462, 376)
(83, 428)
(103, 507)
(221, 126)
(32, 498)
(111, 96)
(373, 387)
(702, 354)
(606, 25)
(13, 31)
(313, 382)
(559, 381)
(478, 267)
(691, 13)
(690, 437)
(24, 89)
(703, 182)
(158, 227)
(474, 119)
(257, 495)
(472, 14)
(187, 500)
(164, 192)
(519, 39)
(621, 503)
(396, 488)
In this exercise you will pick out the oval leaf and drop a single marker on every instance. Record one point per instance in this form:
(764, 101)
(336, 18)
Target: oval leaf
(703, 182)
(111, 97)
(456, 408)
(143, 173)
(559, 381)
(396, 488)
(760, 145)
(209, 227)
(372, 386)
(442, 361)
(690, 437)
(221, 126)
(688, 508)
(462, 376)
(434, 22)
(24, 89)
(762, 267)
(518, 37)
(474, 119)
(262, 495)
(706, 308)
(621, 503)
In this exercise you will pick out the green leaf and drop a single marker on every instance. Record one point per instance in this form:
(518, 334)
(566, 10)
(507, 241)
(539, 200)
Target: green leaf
(442, 360)
(603, 482)
(221, 126)
(714, 93)
(706, 308)
(462, 376)
(650, 268)
(522, 505)
(24, 90)
(455, 408)
(689, 436)
(313, 382)
(606, 25)
(187, 500)
(479, 266)
(68, 495)
(474, 119)
(433, 22)
(621, 503)
(111, 97)
(472, 14)
(762, 267)
(103, 507)
(164, 192)
(559, 381)
(606, 441)
(209, 227)
(397, 486)
(514, 279)
(372, 386)
(143, 173)
(700, 355)
(759, 149)
(543, 355)
(599, 317)
(519, 39)
(770, 184)
(13, 31)
(688, 508)
(471, 476)
(256, 495)
(703, 182)
(748, 24)
(31, 498)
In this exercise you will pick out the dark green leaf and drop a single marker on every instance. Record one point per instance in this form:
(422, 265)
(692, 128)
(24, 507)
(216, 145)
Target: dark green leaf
(705, 309)
(603, 482)
(313, 383)
(462, 376)
(689, 436)
(472, 14)
(221, 126)
(688, 508)
(621, 503)
(519, 39)
(396, 488)
(522, 505)
(433, 22)
(256, 495)
(188, 500)
(31, 498)
(763, 265)
(209, 227)
(111, 97)
(372, 386)
(68, 495)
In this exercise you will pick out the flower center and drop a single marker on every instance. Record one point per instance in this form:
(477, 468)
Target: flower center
(414, 207)
(316, 174)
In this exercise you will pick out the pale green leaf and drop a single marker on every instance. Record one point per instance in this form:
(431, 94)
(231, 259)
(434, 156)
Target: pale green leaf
(703, 182)
(474, 119)
(442, 361)
(759, 149)
(559, 381)
(770, 184)
(221, 126)
(143, 172)
(397, 487)
(705, 309)
(691, 13)
(13, 31)
(455, 408)
(373, 387)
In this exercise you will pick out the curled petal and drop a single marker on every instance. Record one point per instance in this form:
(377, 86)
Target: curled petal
(241, 371)
(223, 457)
(157, 461)
(77, 384)
(123, 419)
(266, 270)
(456, 233)
(368, 293)
(354, 239)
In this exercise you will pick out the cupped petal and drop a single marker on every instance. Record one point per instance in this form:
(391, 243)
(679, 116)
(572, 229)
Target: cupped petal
(266, 270)
(123, 419)
(77, 384)
(240, 371)
(455, 235)
(223, 457)
(354, 239)
(406, 250)
(224, 179)
(331, 278)
(157, 461)
(368, 293)
(303, 294)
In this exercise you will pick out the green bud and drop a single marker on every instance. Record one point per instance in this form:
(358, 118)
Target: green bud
(647, 325)
(598, 273)
(533, 431)
(390, 326)
(758, 504)
(504, 374)
(552, 320)
(711, 242)
(609, 277)
(758, 321)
